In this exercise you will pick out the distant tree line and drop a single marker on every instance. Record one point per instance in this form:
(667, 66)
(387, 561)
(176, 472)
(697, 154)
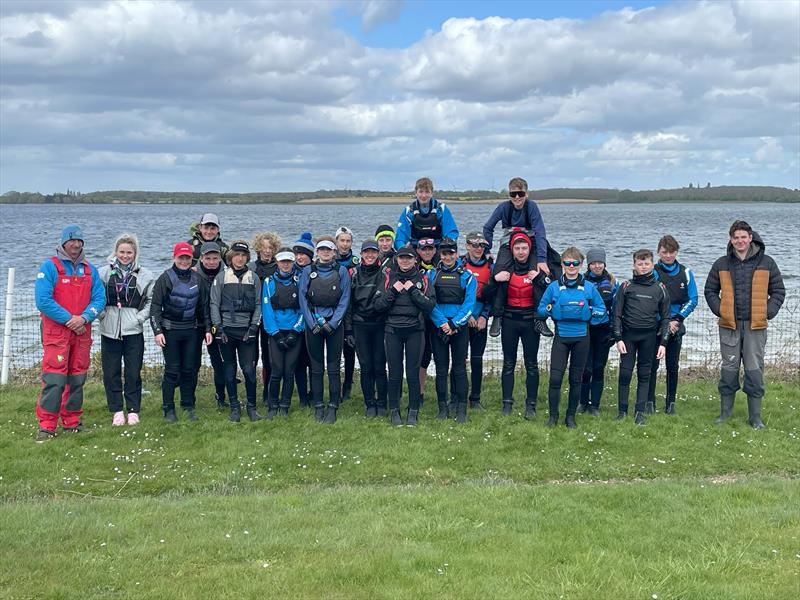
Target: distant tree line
(725, 193)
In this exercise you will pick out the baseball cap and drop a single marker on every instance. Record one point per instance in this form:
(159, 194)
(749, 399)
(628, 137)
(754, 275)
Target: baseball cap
(407, 250)
(369, 245)
(182, 249)
(209, 219)
(448, 244)
(341, 231)
(209, 247)
(242, 247)
(476, 237)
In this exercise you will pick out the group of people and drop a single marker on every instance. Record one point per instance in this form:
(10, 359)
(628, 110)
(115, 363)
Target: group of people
(408, 297)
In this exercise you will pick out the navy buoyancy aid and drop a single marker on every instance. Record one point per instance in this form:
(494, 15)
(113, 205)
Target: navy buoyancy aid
(447, 286)
(285, 296)
(676, 284)
(425, 225)
(508, 212)
(181, 303)
(604, 287)
(324, 289)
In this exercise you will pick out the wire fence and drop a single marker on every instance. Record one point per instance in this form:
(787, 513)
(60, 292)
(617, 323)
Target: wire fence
(700, 345)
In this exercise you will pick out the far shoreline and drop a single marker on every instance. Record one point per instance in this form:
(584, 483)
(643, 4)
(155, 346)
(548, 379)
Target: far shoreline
(406, 200)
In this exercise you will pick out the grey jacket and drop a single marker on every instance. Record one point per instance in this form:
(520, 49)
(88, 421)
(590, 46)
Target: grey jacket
(229, 290)
(116, 322)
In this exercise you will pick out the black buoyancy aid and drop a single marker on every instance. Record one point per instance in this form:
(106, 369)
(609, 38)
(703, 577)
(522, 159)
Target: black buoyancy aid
(403, 305)
(448, 286)
(285, 295)
(237, 294)
(324, 289)
(123, 295)
(425, 225)
(677, 284)
(482, 274)
(520, 291)
(362, 291)
(604, 287)
(181, 303)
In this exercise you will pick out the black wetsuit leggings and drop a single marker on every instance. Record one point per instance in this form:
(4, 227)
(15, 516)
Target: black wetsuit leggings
(372, 360)
(302, 372)
(281, 382)
(672, 358)
(400, 343)
(180, 367)
(576, 349)
(246, 353)
(215, 356)
(349, 354)
(641, 344)
(595, 371)
(325, 351)
(513, 331)
(477, 346)
(455, 347)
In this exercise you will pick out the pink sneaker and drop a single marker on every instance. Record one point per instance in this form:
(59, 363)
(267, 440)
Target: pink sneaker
(133, 418)
(119, 419)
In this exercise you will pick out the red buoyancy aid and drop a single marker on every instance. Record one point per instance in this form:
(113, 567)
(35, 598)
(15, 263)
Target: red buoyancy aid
(72, 292)
(481, 273)
(520, 291)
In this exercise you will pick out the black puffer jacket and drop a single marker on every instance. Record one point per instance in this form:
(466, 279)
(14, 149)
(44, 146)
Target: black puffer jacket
(742, 278)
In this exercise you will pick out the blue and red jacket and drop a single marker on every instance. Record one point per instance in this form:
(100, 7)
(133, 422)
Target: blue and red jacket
(56, 272)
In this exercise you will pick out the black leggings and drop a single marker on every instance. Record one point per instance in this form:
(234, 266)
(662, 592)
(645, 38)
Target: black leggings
(400, 343)
(427, 348)
(513, 331)
(672, 358)
(266, 361)
(180, 367)
(116, 355)
(576, 349)
(477, 346)
(215, 356)
(454, 346)
(302, 372)
(595, 371)
(317, 346)
(349, 354)
(641, 343)
(372, 360)
(246, 352)
(281, 381)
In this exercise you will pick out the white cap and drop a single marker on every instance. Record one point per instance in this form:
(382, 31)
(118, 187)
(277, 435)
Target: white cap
(342, 230)
(326, 244)
(285, 256)
(209, 219)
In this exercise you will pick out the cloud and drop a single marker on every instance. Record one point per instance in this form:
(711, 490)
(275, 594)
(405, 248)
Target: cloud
(247, 96)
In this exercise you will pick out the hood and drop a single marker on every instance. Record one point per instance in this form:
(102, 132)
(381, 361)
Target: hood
(757, 248)
(134, 241)
(62, 254)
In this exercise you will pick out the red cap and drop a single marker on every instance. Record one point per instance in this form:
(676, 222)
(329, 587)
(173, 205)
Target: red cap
(182, 249)
(519, 237)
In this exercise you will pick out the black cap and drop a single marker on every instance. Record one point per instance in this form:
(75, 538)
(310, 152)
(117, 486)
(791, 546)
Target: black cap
(369, 245)
(407, 250)
(240, 247)
(448, 244)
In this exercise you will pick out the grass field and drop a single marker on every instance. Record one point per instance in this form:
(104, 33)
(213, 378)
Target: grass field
(497, 508)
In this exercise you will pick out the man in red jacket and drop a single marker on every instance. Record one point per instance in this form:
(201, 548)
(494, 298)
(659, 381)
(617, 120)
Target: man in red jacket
(69, 295)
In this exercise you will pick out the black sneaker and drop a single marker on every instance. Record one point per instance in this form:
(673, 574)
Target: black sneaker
(252, 414)
(508, 406)
(330, 415)
(494, 329)
(371, 412)
(650, 408)
(552, 421)
(397, 420)
(170, 416)
(530, 412)
(670, 410)
(381, 412)
(639, 419)
(236, 415)
(271, 413)
(319, 414)
(411, 421)
(43, 435)
(570, 422)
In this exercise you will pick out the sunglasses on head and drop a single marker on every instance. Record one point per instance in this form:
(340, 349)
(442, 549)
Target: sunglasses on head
(517, 194)
(427, 243)
(571, 263)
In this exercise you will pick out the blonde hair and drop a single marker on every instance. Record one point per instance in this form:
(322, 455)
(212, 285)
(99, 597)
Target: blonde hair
(573, 253)
(266, 236)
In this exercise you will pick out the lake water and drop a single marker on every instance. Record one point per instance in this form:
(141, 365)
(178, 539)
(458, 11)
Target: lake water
(32, 232)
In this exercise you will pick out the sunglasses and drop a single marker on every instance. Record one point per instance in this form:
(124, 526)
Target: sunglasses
(426, 242)
(571, 263)
(446, 252)
(475, 244)
(517, 194)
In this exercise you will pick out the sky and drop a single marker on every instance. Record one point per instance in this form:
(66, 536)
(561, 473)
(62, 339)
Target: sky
(366, 94)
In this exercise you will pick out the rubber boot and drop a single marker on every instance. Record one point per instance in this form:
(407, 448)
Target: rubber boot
(508, 405)
(754, 413)
(530, 411)
(170, 416)
(252, 414)
(650, 408)
(494, 329)
(725, 409)
(411, 420)
(639, 419)
(396, 419)
(670, 410)
(444, 412)
(461, 412)
(570, 422)
(371, 412)
(330, 415)
(553, 420)
(319, 414)
(236, 415)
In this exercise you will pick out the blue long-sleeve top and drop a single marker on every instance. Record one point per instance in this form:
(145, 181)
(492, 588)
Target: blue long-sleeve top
(528, 217)
(445, 217)
(332, 314)
(573, 305)
(458, 314)
(282, 319)
(46, 280)
(677, 309)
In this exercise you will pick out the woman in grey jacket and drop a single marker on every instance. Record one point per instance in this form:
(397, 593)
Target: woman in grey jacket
(129, 292)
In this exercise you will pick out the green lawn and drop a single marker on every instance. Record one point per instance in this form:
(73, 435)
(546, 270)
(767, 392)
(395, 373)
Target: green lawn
(497, 508)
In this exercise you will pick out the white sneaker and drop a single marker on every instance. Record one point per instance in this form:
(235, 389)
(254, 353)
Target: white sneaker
(133, 418)
(119, 419)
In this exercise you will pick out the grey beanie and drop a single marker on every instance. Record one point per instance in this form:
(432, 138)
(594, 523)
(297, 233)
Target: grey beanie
(595, 255)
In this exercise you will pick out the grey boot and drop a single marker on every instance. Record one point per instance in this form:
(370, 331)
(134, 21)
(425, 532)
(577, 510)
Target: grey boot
(725, 409)
(443, 411)
(508, 406)
(754, 413)
(461, 412)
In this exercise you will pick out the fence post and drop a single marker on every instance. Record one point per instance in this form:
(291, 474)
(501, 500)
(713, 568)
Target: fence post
(7, 332)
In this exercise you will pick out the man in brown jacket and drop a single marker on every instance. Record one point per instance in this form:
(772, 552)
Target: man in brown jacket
(744, 289)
